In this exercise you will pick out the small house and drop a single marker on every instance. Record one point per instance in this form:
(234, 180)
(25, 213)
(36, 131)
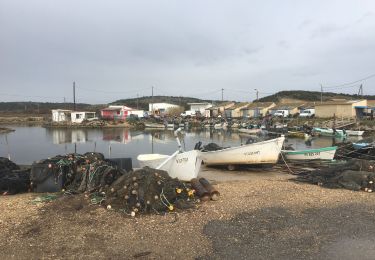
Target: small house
(340, 108)
(199, 107)
(119, 112)
(160, 108)
(235, 110)
(61, 115)
(80, 116)
(257, 109)
(218, 109)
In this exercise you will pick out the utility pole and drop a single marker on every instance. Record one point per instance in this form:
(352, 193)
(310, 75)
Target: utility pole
(222, 94)
(74, 95)
(360, 90)
(257, 92)
(137, 100)
(152, 100)
(321, 93)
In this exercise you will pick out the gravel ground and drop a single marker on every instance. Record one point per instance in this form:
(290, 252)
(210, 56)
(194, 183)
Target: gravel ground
(261, 215)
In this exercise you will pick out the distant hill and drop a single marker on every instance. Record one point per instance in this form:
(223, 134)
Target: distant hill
(301, 95)
(42, 107)
(142, 102)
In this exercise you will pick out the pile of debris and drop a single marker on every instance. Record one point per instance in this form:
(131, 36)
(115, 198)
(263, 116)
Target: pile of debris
(354, 175)
(12, 179)
(149, 190)
(74, 173)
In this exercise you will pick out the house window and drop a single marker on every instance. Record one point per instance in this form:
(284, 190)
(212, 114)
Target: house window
(77, 116)
(118, 112)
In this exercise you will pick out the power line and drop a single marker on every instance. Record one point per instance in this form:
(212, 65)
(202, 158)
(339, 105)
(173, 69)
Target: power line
(353, 82)
(113, 92)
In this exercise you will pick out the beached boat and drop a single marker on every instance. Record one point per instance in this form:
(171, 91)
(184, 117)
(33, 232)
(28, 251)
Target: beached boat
(253, 131)
(154, 125)
(354, 132)
(182, 165)
(325, 153)
(151, 160)
(265, 152)
(329, 132)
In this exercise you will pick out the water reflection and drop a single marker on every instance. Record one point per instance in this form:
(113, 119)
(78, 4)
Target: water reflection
(63, 136)
(28, 144)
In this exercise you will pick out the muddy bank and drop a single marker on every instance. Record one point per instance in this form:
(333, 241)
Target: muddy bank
(258, 216)
(4, 130)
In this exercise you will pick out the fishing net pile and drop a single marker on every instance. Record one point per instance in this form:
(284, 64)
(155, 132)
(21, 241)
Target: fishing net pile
(75, 173)
(12, 179)
(346, 151)
(354, 175)
(208, 147)
(148, 190)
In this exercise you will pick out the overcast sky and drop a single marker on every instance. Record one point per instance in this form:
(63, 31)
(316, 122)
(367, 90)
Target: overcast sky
(118, 49)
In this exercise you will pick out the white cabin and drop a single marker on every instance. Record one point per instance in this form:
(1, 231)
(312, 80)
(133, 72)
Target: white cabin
(61, 115)
(79, 116)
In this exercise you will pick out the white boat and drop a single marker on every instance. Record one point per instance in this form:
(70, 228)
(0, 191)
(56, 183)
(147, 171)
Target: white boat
(329, 132)
(154, 125)
(184, 166)
(218, 126)
(170, 126)
(151, 160)
(354, 132)
(325, 153)
(266, 152)
(250, 130)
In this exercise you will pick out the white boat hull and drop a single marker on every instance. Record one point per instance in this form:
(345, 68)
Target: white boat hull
(266, 152)
(307, 155)
(158, 126)
(354, 133)
(250, 131)
(184, 166)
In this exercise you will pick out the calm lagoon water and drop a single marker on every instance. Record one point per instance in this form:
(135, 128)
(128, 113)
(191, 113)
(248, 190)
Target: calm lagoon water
(28, 144)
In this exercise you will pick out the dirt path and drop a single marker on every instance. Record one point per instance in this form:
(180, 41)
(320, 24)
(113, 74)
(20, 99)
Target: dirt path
(260, 216)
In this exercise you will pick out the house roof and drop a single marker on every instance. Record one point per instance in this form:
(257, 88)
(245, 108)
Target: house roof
(258, 105)
(238, 105)
(287, 106)
(84, 112)
(338, 102)
(116, 108)
(202, 103)
(62, 110)
(219, 105)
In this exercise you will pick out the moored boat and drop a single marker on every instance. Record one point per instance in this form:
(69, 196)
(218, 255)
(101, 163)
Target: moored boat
(329, 132)
(265, 152)
(297, 134)
(354, 132)
(325, 153)
(154, 125)
(250, 130)
(358, 146)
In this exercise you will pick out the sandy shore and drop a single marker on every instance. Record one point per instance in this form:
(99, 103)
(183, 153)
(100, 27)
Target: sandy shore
(260, 215)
